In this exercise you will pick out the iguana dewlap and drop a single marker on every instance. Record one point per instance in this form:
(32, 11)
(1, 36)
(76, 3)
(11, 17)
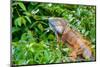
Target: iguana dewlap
(79, 45)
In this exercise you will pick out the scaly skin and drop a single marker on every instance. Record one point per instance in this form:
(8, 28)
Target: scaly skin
(79, 45)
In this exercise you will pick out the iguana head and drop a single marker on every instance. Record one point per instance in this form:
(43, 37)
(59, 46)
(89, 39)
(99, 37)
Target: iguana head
(57, 24)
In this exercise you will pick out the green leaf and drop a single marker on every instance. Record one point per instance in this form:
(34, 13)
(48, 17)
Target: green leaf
(78, 12)
(17, 21)
(35, 11)
(83, 31)
(27, 13)
(50, 36)
(86, 33)
(24, 36)
(23, 20)
(40, 27)
(22, 6)
(15, 29)
(29, 20)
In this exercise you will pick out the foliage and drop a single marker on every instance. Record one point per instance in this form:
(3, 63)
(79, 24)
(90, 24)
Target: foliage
(34, 43)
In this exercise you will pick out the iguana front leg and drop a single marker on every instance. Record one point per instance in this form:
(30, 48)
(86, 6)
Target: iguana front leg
(58, 39)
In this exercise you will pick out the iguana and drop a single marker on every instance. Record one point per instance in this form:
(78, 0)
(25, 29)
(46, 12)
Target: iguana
(79, 45)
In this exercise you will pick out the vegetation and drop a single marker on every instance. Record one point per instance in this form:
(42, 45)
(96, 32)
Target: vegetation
(34, 43)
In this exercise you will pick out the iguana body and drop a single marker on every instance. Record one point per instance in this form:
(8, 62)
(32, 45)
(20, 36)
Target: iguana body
(79, 45)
